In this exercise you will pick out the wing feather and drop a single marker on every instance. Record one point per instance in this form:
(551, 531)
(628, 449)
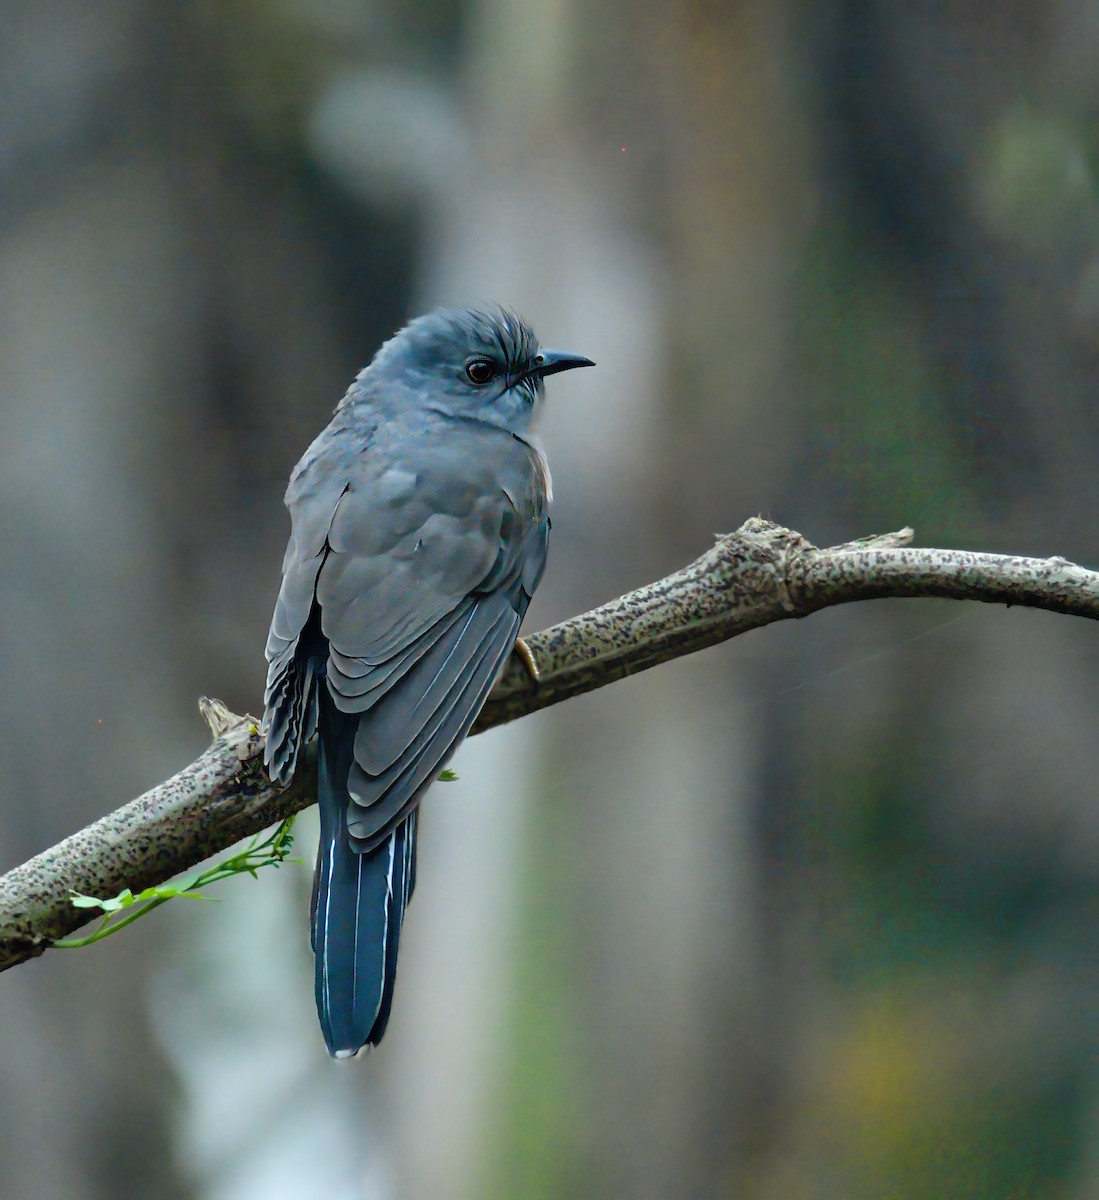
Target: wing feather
(441, 702)
(393, 728)
(356, 685)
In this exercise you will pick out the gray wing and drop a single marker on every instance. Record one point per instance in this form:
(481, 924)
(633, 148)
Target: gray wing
(405, 591)
(403, 742)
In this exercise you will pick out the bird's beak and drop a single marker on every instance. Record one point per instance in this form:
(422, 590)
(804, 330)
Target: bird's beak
(549, 362)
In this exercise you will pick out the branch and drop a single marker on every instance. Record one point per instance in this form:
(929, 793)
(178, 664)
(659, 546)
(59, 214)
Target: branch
(760, 574)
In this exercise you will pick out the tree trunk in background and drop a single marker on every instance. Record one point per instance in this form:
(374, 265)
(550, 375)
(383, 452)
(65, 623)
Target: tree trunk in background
(157, 373)
(631, 957)
(88, 332)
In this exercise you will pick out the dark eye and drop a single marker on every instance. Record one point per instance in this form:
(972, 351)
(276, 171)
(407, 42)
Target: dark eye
(480, 371)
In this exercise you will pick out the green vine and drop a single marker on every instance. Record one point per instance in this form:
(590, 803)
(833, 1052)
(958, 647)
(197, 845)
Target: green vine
(125, 908)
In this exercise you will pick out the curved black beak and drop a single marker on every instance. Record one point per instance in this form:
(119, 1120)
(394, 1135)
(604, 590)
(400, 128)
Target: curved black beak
(549, 362)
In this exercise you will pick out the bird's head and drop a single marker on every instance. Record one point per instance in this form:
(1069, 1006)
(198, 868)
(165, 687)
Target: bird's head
(481, 365)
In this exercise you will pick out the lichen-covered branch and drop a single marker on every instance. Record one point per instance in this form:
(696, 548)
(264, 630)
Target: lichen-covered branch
(760, 574)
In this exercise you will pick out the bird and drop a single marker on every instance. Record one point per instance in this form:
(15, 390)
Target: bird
(419, 528)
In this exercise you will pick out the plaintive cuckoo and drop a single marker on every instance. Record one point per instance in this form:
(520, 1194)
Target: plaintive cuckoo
(419, 531)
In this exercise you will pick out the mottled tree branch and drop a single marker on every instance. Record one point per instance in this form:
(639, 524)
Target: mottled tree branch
(760, 574)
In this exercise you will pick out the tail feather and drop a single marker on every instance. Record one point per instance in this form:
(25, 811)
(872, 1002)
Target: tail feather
(359, 901)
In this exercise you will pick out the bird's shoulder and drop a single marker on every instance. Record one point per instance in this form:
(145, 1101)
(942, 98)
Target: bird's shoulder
(420, 463)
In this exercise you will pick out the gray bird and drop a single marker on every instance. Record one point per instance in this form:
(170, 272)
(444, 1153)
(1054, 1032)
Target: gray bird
(419, 533)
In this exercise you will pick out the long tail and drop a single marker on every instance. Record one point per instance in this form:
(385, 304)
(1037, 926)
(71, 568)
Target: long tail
(358, 907)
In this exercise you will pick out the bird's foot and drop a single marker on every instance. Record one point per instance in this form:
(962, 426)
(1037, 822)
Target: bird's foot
(525, 653)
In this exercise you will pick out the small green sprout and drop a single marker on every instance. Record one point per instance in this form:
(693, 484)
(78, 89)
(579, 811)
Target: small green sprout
(125, 908)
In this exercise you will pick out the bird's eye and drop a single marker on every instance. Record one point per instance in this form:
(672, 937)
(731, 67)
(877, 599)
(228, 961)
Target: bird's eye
(480, 371)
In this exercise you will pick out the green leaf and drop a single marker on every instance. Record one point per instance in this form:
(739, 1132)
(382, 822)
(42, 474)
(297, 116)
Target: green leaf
(123, 900)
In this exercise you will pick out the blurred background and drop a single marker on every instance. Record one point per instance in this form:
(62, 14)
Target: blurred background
(809, 915)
